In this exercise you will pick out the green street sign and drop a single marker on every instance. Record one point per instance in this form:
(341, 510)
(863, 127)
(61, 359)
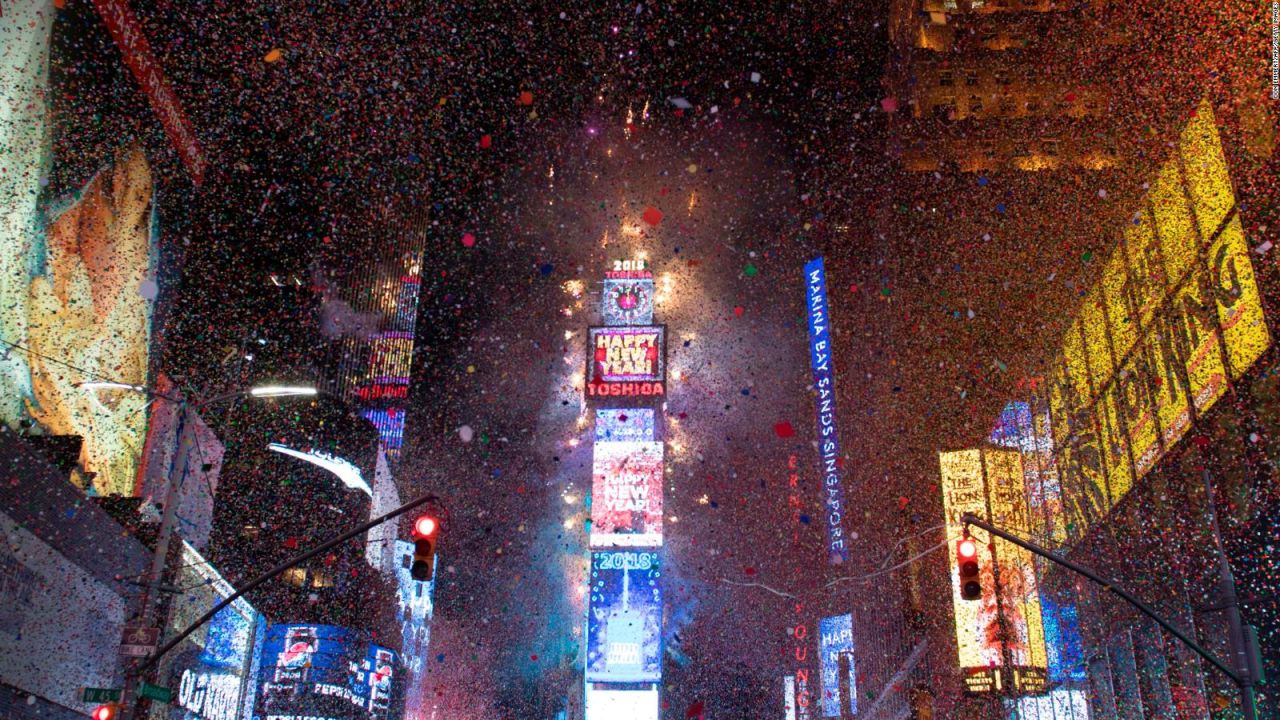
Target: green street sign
(101, 695)
(155, 692)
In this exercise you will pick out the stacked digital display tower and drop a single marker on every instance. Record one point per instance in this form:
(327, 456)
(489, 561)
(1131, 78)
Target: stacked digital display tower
(625, 387)
(375, 367)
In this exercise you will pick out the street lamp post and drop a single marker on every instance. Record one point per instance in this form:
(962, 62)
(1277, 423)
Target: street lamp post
(176, 476)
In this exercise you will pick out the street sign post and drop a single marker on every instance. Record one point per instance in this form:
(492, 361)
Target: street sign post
(101, 695)
(155, 692)
(139, 641)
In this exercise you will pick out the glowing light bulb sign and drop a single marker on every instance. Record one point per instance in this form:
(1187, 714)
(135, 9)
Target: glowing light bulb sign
(627, 362)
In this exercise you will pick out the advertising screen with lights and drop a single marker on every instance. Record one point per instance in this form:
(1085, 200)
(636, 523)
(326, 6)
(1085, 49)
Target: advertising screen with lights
(624, 622)
(79, 291)
(1175, 317)
(835, 640)
(604, 703)
(626, 494)
(628, 302)
(627, 362)
(621, 425)
(988, 483)
(314, 667)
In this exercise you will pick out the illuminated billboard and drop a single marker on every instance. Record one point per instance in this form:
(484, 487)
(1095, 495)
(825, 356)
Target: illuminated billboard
(623, 424)
(320, 669)
(207, 671)
(835, 640)
(1000, 637)
(628, 302)
(624, 622)
(1175, 317)
(626, 494)
(627, 362)
(80, 297)
(604, 703)
(820, 357)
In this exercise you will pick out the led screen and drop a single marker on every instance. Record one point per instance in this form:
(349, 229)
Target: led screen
(1175, 316)
(206, 671)
(836, 640)
(972, 481)
(80, 295)
(624, 621)
(620, 425)
(307, 667)
(628, 302)
(626, 494)
(627, 361)
(824, 384)
(607, 704)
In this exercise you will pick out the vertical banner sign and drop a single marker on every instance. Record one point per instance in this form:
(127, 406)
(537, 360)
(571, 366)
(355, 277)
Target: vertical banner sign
(127, 32)
(1001, 635)
(824, 385)
(789, 697)
(835, 640)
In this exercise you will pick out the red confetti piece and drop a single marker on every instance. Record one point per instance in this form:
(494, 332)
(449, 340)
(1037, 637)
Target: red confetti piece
(652, 215)
(784, 430)
(468, 240)
(738, 310)
(486, 141)
(526, 98)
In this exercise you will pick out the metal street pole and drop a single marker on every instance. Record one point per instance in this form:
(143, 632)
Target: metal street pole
(160, 559)
(1244, 682)
(1240, 650)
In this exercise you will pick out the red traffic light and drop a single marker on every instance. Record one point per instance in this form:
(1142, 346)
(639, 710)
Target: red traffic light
(105, 712)
(967, 560)
(425, 526)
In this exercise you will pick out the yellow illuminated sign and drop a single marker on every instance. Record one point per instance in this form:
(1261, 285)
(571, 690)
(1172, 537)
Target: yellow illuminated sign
(1003, 632)
(1175, 315)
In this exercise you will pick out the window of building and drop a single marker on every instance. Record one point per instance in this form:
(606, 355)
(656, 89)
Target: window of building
(1006, 105)
(946, 79)
(1003, 77)
(321, 578)
(945, 109)
(1033, 105)
(975, 105)
(406, 561)
(971, 78)
(1050, 147)
(295, 576)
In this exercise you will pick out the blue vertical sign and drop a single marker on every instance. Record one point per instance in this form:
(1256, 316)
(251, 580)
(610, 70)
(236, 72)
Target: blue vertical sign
(815, 282)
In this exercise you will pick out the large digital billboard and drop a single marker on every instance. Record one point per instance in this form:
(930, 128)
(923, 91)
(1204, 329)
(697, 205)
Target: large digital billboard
(835, 640)
(626, 494)
(605, 703)
(1000, 637)
(317, 669)
(628, 302)
(624, 621)
(821, 360)
(627, 362)
(624, 424)
(79, 294)
(1175, 317)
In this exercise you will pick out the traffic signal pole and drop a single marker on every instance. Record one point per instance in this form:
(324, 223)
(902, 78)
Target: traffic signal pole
(325, 546)
(1243, 680)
